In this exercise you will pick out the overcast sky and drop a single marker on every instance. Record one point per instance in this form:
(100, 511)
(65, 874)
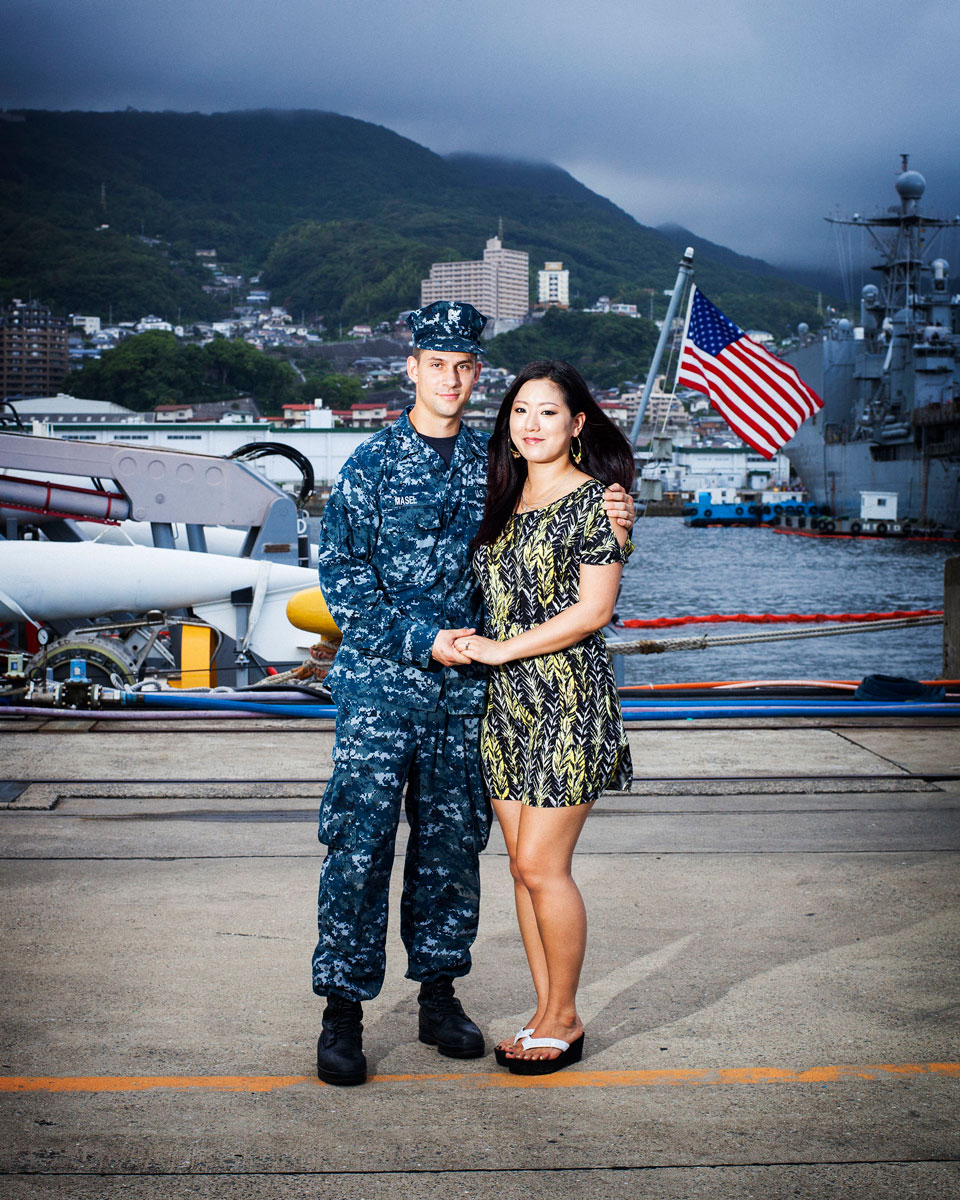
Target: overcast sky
(745, 120)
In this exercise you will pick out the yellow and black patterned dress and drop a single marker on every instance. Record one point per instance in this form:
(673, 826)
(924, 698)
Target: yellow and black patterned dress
(552, 734)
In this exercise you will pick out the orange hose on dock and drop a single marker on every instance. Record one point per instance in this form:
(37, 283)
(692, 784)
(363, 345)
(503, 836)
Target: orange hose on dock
(719, 684)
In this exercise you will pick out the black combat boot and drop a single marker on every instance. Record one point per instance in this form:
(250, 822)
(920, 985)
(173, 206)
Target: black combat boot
(340, 1057)
(444, 1024)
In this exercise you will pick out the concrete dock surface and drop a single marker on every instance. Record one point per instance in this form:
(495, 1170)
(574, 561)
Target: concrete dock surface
(770, 992)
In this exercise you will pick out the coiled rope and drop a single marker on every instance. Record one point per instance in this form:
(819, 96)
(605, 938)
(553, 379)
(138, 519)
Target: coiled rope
(775, 618)
(662, 645)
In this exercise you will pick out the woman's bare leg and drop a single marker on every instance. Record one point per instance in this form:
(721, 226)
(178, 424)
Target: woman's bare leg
(508, 814)
(546, 838)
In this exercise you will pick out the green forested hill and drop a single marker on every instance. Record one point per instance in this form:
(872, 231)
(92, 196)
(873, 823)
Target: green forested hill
(342, 216)
(608, 350)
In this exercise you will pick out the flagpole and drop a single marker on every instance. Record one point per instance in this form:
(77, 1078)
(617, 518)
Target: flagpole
(686, 270)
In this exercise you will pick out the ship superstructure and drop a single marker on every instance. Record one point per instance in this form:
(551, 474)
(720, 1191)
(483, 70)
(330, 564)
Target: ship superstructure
(891, 382)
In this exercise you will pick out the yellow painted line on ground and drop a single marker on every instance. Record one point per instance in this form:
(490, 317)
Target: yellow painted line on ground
(690, 1077)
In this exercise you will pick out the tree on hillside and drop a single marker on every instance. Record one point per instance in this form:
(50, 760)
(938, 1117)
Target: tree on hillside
(142, 372)
(154, 368)
(606, 348)
(347, 270)
(336, 391)
(238, 366)
(98, 272)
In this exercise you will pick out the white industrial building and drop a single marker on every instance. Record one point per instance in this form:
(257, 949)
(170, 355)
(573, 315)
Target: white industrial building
(707, 468)
(66, 409)
(327, 448)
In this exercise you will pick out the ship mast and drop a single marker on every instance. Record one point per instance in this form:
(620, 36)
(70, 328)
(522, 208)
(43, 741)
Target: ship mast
(902, 238)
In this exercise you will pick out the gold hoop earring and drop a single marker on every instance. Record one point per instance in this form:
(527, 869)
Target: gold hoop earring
(577, 454)
(514, 451)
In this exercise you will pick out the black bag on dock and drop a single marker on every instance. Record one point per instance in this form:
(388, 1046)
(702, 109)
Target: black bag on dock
(897, 689)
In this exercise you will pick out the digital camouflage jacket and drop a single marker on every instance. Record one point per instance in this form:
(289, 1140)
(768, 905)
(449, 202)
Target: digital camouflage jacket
(394, 569)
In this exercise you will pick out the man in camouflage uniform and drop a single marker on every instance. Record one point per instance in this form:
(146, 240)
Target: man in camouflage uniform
(396, 575)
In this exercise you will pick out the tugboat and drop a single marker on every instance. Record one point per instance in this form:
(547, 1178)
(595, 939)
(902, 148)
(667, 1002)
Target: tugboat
(727, 506)
(891, 383)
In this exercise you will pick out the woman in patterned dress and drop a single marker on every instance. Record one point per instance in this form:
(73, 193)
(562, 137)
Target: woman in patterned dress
(552, 738)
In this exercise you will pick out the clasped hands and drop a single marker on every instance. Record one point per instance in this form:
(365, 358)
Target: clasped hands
(459, 647)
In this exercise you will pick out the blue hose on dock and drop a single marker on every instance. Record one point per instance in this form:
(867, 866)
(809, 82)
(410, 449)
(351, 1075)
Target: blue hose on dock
(163, 700)
(661, 710)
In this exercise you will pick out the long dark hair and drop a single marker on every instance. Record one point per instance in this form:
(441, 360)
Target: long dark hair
(606, 452)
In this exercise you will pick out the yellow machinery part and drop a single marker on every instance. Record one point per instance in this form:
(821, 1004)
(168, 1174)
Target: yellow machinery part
(308, 610)
(197, 647)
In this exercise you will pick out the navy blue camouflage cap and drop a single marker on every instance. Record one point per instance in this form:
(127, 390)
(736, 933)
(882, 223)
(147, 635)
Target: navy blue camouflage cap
(447, 325)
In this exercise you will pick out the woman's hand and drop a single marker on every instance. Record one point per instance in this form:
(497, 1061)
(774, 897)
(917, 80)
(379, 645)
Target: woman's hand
(619, 506)
(483, 650)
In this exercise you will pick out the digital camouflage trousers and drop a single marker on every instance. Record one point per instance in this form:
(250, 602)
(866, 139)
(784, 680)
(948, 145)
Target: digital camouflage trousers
(427, 763)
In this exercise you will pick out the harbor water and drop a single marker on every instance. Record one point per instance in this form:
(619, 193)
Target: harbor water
(677, 571)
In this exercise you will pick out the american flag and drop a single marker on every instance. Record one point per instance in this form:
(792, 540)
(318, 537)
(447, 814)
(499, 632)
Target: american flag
(762, 398)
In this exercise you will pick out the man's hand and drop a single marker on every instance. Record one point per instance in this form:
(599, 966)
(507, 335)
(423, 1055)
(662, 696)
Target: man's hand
(444, 651)
(619, 506)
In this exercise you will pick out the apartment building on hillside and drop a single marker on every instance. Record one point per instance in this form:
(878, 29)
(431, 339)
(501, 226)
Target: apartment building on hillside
(34, 350)
(498, 284)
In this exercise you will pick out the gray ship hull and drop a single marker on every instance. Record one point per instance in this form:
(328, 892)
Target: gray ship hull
(928, 489)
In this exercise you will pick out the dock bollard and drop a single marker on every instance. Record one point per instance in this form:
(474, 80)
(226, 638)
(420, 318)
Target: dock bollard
(951, 618)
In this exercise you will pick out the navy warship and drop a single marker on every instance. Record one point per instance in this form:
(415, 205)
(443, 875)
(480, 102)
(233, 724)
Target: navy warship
(890, 424)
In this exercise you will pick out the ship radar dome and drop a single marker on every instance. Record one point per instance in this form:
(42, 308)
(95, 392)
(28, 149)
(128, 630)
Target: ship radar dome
(803, 329)
(870, 294)
(940, 269)
(911, 185)
(844, 325)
